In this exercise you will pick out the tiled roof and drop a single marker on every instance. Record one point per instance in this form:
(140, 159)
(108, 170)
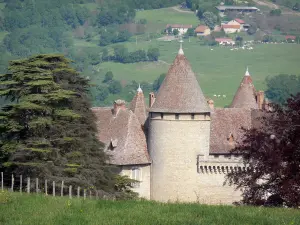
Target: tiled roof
(138, 106)
(201, 28)
(179, 25)
(245, 95)
(239, 21)
(231, 26)
(180, 91)
(226, 124)
(292, 37)
(123, 136)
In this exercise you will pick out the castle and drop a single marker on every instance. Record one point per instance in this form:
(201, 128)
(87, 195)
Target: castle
(179, 146)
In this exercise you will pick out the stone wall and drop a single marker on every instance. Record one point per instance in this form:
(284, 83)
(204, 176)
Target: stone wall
(174, 146)
(143, 188)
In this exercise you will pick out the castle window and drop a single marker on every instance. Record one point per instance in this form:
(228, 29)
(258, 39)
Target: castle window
(176, 116)
(161, 115)
(136, 174)
(193, 116)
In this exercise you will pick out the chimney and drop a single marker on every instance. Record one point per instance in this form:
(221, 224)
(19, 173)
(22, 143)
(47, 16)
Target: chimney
(211, 104)
(260, 96)
(151, 99)
(119, 104)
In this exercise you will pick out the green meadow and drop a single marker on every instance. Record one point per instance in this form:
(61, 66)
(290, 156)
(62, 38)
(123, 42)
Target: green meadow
(40, 210)
(219, 70)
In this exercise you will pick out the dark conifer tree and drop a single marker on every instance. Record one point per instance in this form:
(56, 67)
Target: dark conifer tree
(48, 129)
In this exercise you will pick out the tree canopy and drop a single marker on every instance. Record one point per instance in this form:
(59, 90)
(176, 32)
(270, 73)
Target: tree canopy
(272, 154)
(48, 129)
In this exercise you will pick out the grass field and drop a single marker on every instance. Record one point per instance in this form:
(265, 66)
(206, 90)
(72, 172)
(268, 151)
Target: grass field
(157, 19)
(219, 71)
(39, 210)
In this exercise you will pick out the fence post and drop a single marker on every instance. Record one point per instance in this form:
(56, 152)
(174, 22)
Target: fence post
(90, 194)
(37, 185)
(21, 183)
(12, 183)
(46, 187)
(2, 181)
(53, 188)
(62, 189)
(28, 185)
(97, 197)
(84, 194)
(70, 191)
(78, 192)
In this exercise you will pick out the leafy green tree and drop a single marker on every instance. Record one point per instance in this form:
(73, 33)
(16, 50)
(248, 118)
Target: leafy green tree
(105, 39)
(115, 87)
(102, 93)
(252, 29)
(281, 87)
(153, 54)
(122, 36)
(210, 19)
(48, 130)
(190, 32)
(109, 76)
(175, 32)
(120, 53)
(169, 30)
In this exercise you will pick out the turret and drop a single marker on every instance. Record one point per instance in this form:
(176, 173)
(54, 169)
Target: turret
(138, 106)
(245, 97)
(179, 131)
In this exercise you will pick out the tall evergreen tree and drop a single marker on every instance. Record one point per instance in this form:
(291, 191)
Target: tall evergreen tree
(48, 130)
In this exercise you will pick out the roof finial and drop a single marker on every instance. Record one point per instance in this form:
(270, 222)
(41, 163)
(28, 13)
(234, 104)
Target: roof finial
(247, 72)
(180, 52)
(139, 89)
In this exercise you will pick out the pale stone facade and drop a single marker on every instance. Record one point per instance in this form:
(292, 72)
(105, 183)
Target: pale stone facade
(180, 150)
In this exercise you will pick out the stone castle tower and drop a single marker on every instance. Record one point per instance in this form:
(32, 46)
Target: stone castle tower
(179, 132)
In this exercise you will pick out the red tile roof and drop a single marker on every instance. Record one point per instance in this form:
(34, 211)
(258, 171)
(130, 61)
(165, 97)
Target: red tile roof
(228, 26)
(292, 37)
(138, 106)
(201, 29)
(123, 131)
(245, 95)
(180, 91)
(239, 21)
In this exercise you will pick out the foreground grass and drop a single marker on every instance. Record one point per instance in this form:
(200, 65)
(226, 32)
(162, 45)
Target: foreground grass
(32, 209)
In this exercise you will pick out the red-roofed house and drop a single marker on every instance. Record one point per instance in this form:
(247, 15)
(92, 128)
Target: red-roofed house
(202, 30)
(182, 28)
(239, 21)
(290, 37)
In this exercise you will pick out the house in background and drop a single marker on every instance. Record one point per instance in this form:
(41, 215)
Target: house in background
(225, 41)
(290, 38)
(231, 28)
(243, 26)
(202, 30)
(232, 8)
(182, 28)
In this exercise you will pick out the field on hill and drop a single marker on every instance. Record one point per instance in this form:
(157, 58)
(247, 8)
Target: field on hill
(219, 71)
(31, 209)
(157, 19)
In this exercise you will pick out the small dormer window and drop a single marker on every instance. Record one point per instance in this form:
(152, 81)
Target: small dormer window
(230, 139)
(176, 116)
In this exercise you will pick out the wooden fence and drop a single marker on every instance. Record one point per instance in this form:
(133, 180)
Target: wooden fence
(46, 187)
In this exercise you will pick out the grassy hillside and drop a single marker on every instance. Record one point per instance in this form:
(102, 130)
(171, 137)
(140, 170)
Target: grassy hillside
(30, 210)
(219, 71)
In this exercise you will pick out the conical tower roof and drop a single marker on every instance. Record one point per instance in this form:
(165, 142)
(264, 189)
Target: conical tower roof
(138, 106)
(180, 91)
(245, 96)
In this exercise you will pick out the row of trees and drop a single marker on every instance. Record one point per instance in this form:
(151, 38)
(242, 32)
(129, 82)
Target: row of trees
(109, 36)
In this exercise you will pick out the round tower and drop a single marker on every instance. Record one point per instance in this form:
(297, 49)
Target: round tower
(179, 133)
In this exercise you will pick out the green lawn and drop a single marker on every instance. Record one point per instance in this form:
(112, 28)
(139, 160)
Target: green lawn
(39, 210)
(2, 35)
(2, 6)
(157, 19)
(219, 71)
